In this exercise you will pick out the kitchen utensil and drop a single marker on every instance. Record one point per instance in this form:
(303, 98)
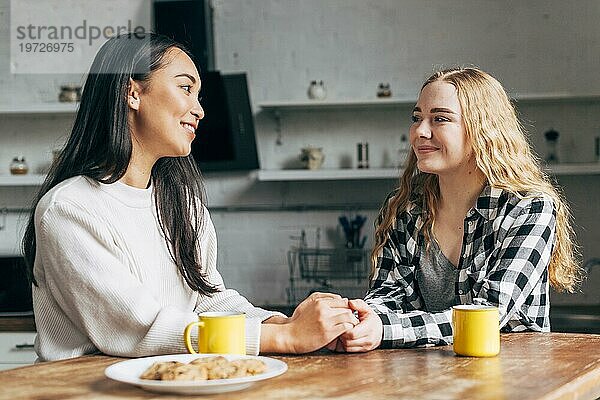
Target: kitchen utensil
(352, 230)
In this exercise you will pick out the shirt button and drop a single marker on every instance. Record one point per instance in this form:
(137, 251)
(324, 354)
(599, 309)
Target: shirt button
(461, 291)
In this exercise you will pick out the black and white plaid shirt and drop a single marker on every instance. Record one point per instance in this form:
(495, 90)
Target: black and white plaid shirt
(505, 255)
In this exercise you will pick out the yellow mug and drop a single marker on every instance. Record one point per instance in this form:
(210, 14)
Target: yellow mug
(476, 330)
(218, 332)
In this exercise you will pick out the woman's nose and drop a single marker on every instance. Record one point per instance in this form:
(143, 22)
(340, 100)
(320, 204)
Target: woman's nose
(198, 111)
(423, 130)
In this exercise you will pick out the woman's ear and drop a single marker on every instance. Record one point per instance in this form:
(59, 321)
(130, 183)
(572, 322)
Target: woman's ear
(133, 95)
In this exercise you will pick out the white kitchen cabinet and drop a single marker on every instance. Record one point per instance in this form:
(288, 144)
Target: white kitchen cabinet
(16, 349)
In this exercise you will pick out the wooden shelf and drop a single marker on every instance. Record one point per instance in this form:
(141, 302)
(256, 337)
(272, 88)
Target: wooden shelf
(394, 173)
(327, 174)
(300, 105)
(266, 175)
(22, 180)
(557, 98)
(44, 108)
(575, 169)
(333, 104)
(69, 108)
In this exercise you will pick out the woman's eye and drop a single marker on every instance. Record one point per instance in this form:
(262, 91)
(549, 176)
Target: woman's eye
(187, 88)
(441, 119)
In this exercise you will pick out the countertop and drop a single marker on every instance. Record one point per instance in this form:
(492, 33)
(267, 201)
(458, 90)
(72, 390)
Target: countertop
(530, 366)
(17, 324)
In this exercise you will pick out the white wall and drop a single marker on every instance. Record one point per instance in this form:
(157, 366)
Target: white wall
(354, 44)
(532, 47)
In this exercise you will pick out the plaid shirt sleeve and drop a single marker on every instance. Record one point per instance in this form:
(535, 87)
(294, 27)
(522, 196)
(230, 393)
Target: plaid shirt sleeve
(391, 295)
(525, 243)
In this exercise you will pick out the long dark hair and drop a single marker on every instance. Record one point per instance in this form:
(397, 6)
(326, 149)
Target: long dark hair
(100, 146)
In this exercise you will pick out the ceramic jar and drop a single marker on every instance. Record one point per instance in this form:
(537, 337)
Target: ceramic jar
(69, 94)
(312, 157)
(18, 166)
(316, 90)
(383, 90)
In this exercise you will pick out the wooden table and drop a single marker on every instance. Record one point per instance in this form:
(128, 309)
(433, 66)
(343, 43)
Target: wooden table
(530, 366)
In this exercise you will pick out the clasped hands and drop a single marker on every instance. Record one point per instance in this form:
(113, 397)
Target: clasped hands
(342, 325)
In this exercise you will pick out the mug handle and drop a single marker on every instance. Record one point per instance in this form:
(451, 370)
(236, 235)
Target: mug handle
(187, 335)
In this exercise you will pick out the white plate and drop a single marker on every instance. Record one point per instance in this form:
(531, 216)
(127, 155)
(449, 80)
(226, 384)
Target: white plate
(129, 372)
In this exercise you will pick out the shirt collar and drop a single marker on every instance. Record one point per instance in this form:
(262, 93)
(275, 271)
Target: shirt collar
(486, 204)
(415, 209)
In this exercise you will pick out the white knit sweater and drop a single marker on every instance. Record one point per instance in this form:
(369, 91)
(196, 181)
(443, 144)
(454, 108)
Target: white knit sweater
(106, 280)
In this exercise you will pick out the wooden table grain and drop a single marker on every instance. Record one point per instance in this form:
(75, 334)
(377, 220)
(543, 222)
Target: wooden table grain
(530, 366)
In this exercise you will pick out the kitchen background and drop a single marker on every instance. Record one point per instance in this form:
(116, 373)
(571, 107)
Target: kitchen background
(546, 53)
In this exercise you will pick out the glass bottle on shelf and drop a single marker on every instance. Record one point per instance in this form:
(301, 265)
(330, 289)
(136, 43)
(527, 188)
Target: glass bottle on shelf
(551, 146)
(18, 166)
(403, 150)
(362, 155)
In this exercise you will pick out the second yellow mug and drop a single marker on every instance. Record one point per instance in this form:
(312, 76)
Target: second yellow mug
(476, 330)
(218, 332)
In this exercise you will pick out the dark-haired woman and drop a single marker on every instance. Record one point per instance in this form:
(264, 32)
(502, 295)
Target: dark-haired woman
(120, 247)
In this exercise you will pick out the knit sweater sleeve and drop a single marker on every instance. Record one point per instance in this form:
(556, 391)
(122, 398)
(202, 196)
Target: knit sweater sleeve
(87, 275)
(228, 299)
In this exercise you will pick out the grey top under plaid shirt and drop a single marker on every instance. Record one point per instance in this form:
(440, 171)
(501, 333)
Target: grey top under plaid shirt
(506, 251)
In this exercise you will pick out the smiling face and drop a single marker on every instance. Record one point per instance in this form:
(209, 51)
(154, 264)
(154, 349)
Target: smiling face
(437, 134)
(165, 111)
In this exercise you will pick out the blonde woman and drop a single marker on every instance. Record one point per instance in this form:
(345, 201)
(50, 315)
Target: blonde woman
(474, 219)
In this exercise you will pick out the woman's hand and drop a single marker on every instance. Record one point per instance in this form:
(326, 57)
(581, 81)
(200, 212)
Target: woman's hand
(276, 319)
(316, 321)
(363, 337)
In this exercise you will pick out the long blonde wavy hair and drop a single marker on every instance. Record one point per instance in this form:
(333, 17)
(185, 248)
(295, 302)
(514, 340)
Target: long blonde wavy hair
(503, 155)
